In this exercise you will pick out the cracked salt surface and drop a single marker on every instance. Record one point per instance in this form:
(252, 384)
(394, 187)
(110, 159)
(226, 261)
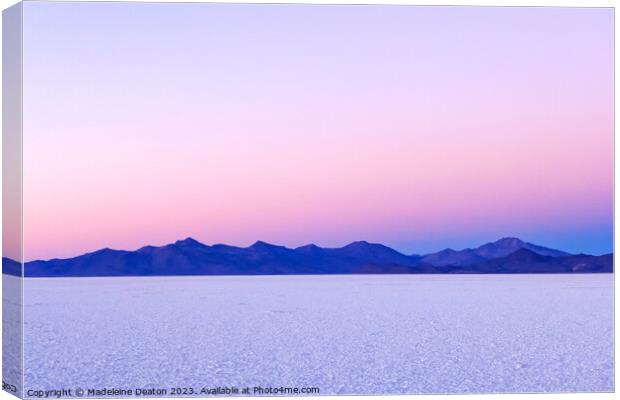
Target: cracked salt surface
(365, 334)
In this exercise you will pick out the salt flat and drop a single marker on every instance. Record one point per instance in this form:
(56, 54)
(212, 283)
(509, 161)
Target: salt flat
(344, 334)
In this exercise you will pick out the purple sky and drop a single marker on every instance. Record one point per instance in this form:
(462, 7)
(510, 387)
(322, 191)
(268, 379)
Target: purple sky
(417, 127)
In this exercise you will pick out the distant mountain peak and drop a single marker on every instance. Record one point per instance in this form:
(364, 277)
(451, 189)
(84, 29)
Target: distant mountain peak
(507, 245)
(492, 250)
(373, 253)
(452, 257)
(447, 250)
(309, 248)
(188, 241)
(509, 241)
(364, 246)
(105, 250)
(259, 244)
(359, 243)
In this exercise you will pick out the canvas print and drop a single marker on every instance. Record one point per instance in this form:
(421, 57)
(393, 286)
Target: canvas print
(293, 199)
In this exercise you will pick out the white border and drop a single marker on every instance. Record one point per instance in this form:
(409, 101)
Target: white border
(540, 3)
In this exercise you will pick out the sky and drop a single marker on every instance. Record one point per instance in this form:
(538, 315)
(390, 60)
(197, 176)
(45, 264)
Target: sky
(417, 127)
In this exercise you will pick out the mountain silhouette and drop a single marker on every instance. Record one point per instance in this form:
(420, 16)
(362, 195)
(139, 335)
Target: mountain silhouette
(509, 245)
(497, 249)
(190, 257)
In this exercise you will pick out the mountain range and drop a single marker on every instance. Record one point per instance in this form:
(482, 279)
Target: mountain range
(190, 257)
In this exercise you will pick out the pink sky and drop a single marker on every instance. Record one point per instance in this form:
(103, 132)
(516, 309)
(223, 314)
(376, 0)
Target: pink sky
(417, 127)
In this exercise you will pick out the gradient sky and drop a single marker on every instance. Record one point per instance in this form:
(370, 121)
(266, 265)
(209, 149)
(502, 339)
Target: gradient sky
(417, 127)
